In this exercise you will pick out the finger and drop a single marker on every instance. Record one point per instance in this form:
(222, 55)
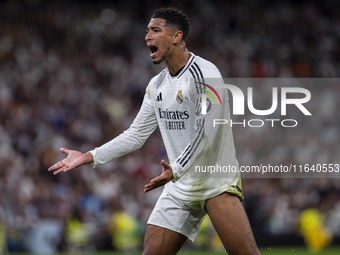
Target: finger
(164, 164)
(68, 168)
(147, 190)
(64, 150)
(158, 179)
(58, 171)
(154, 185)
(151, 187)
(56, 166)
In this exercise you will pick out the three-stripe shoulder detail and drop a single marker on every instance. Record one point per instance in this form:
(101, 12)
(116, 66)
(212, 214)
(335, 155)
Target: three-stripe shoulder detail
(197, 74)
(188, 66)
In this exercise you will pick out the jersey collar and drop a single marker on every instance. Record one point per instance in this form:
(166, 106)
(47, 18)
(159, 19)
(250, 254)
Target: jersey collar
(184, 68)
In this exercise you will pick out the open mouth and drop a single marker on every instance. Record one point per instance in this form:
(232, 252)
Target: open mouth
(153, 50)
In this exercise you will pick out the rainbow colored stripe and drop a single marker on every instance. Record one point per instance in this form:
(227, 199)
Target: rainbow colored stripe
(209, 93)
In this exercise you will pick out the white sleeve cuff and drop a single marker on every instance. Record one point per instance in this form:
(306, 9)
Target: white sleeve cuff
(93, 152)
(175, 171)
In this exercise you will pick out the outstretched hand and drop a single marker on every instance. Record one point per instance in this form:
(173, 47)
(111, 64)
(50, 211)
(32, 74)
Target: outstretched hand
(73, 160)
(161, 180)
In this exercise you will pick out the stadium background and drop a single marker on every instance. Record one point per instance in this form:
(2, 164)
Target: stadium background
(73, 74)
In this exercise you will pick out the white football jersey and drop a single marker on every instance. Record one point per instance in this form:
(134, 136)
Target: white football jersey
(194, 146)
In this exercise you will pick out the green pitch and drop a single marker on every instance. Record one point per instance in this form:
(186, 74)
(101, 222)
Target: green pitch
(335, 250)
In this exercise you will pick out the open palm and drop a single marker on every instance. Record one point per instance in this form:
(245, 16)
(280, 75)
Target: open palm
(74, 159)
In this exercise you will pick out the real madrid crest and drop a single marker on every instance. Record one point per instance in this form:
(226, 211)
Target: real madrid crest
(179, 97)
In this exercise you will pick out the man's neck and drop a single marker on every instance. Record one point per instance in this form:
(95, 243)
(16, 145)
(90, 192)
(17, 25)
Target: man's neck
(179, 58)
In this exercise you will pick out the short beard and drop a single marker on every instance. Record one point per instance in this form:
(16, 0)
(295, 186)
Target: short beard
(155, 62)
(167, 53)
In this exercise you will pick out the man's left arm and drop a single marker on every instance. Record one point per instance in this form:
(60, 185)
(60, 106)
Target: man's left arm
(205, 134)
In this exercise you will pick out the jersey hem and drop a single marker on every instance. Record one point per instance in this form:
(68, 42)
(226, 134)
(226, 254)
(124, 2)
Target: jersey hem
(231, 189)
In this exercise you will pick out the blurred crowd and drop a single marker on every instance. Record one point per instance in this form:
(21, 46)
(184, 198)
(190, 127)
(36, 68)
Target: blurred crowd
(73, 74)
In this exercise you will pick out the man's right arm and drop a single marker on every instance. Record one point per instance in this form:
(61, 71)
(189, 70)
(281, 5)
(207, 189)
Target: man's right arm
(131, 139)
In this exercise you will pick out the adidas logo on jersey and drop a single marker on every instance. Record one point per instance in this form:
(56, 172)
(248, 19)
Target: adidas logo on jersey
(159, 97)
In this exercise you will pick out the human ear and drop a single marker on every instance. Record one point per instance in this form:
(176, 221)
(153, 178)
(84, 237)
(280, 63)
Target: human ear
(177, 37)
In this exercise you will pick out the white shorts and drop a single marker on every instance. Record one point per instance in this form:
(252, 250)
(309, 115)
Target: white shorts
(181, 216)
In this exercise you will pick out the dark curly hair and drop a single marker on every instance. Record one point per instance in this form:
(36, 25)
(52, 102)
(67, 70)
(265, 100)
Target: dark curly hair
(173, 17)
